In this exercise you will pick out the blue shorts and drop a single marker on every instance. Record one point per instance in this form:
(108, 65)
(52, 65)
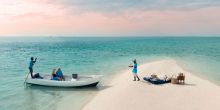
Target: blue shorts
(54, 78)
(134, 71)
(31, 70)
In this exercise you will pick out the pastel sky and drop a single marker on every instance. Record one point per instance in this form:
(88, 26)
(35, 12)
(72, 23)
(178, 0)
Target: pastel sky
(109, 17)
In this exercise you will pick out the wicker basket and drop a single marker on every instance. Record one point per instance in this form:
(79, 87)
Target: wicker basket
(174, 80)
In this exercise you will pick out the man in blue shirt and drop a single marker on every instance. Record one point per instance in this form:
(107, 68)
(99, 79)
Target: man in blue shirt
(59, 74)
(31, 66)
(134, 70)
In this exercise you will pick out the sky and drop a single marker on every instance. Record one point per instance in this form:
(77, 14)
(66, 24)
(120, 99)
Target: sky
(109, 17)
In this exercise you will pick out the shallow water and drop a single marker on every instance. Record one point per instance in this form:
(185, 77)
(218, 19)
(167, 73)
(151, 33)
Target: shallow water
(104, 56)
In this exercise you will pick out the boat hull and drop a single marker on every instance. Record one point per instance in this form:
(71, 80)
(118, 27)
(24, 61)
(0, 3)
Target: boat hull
(82, 81)
(81, 86)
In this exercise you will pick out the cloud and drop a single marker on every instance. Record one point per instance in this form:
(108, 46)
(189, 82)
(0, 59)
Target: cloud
(106, 7)
(168, 22)
(112, 6)
(110, 17)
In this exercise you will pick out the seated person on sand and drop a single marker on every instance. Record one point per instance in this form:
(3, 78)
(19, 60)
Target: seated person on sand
(59, 74)
(165, 78)
(154, 79)
(54, 76)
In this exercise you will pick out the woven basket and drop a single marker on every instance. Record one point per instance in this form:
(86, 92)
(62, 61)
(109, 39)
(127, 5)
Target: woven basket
(174, 80)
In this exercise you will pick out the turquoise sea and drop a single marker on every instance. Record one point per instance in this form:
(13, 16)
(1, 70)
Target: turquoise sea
(92, 55)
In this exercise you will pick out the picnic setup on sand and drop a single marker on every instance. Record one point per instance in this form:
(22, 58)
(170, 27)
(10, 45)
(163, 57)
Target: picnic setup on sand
(154, 79)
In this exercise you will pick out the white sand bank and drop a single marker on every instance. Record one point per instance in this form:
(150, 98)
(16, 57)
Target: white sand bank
(124, 94)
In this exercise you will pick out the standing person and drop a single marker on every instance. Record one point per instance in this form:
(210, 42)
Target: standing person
(134, 70)
(31, 66)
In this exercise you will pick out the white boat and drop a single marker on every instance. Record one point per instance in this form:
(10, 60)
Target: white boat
(80, 81)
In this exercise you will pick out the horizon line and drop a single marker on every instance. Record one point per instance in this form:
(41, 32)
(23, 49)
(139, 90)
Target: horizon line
(102, 36)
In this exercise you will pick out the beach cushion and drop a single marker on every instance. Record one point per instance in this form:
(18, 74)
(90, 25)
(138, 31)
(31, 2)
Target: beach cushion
(155, 81)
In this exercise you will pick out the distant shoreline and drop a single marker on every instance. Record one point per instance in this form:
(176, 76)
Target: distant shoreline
(118, 36)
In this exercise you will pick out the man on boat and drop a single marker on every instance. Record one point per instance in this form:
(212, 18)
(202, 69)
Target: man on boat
(31, 66)
(54, 76)
(59, 74)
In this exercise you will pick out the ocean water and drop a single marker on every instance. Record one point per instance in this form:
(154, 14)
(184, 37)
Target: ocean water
(92, 55)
